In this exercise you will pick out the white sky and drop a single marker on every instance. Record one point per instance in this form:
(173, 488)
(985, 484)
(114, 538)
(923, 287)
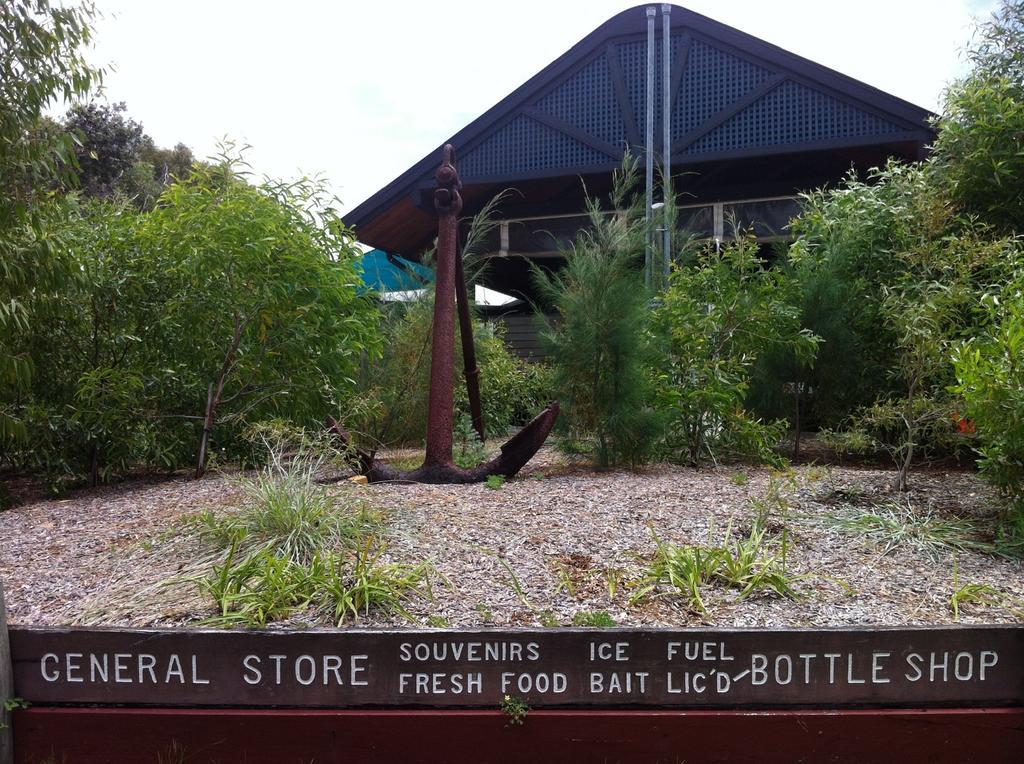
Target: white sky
(359, 91)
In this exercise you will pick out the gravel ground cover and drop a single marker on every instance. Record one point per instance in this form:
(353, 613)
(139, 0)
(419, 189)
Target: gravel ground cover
(556, 545)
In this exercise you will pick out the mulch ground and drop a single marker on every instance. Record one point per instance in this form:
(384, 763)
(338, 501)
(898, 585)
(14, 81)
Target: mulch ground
(540, 550)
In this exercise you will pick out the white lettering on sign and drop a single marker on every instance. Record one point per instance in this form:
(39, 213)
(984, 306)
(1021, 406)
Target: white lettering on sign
(541, 682)
(118, 668)
(71, 667)
(807, 658)
(598, 667)
(147, 665)
(495, 652)
(936, 666)
(877, 668)
(325, 670)
(692, 651)
(440, 683)
(356, 669)
(805, 668)
(618, 682)
(832, 657)
(49, 675)
(784, 668)
(174, 670)
(687, 682)
(608, 651)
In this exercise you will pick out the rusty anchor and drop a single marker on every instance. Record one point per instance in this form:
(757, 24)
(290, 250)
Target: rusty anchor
(450, 289)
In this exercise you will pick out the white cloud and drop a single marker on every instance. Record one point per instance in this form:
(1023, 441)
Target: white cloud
(360, 91)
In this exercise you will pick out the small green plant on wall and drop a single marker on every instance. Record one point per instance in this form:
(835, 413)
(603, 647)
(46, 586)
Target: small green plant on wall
(12, 704)
(515, 708)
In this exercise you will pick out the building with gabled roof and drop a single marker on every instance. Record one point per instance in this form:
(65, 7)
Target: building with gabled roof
(751, 126)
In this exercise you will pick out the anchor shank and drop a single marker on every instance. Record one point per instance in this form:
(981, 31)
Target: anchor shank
(440, 415)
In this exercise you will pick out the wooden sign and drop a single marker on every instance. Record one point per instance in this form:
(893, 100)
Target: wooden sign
(554, 668)
(6, 687)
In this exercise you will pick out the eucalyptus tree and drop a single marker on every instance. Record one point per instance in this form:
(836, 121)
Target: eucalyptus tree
(978, 151)
(260, 313)
(41, 62)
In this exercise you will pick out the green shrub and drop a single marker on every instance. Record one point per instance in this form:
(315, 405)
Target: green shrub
(907, 274)
(512, 390)
(899, 524)
(748, 564)
(391, 408)
(230, 293)
(845, 253)
(718, 315)
(599, 341)
(849, 441)
(978, 150)
(43, 57)
(467, 451)
(990, 377)
(985, 595)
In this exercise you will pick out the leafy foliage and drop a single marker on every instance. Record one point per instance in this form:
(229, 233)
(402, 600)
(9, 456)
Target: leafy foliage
(515, 708)
(268, 276)
(391, 408)
(468, 451)
(41, 61)
(979, 147)
(228, 304)
(846, 252)
(906, 274)
(118, 160)
(598, 619)
(512, 390)
(985, 595)
(899, 524)
(718, 315)
(748, 564)
(108, 145)
(990, 377)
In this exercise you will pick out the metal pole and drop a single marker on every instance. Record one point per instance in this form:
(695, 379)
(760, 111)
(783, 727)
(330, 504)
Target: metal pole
(6, 688)
(649, 147)
(666, 135)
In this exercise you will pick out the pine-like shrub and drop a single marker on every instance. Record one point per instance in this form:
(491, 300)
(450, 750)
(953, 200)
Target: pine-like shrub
(599, 339)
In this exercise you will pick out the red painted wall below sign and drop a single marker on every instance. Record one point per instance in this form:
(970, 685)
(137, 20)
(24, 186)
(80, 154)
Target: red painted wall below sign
(88, 735)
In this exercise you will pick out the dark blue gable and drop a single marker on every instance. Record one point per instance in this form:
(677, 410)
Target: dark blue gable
(725, 103)
(748, 118)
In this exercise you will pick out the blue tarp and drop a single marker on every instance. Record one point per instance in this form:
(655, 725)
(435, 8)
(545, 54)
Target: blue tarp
(382, 272)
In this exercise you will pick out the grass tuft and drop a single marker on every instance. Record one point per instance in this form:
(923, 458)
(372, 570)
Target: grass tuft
(595, 619)
(746, 564)
(895, 525)
(293, 546)
(985, 595)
